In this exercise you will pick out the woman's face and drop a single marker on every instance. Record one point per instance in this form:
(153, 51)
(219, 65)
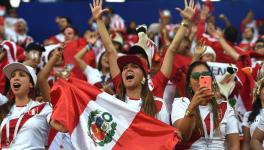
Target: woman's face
(259, 48)
(210, 27)
(104, 61)
(194, 80)
(20, 83)
(20, 27)
(132, 76)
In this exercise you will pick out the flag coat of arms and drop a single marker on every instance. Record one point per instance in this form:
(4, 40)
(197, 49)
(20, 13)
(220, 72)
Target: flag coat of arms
(97, 120)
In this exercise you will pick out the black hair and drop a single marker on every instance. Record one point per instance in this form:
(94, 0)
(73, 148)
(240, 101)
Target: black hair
(67, 19)
(256, 107)
(231, 34)
(35, 46)
(99, 66)
(255, 110)
(260, 40)
(74, 30)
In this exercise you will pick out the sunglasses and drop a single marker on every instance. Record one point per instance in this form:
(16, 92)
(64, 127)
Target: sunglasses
(196, 75)
(259, 46)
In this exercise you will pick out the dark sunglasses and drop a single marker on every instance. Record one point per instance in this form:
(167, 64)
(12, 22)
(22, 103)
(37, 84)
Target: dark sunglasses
(259, 46)
(196, 75)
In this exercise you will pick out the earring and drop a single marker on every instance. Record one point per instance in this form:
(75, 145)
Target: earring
(143, 81)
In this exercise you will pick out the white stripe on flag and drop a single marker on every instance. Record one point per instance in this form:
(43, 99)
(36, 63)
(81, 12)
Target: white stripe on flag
(122, 116)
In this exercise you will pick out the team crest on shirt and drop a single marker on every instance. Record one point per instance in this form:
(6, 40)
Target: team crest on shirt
(101, 127)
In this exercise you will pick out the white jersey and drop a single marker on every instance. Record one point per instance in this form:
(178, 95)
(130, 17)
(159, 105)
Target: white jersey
(162, 115)
(93, 75)
(32, 123)
(252, 126)
(261, 122)
(212, 140)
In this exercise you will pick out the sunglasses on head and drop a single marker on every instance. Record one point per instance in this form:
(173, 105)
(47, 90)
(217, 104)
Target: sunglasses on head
(196, 75)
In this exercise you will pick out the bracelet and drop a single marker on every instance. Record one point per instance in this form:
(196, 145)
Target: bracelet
(188, 114)
(184, 24)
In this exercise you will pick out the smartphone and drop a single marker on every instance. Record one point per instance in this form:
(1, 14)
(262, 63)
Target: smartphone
(205, 81)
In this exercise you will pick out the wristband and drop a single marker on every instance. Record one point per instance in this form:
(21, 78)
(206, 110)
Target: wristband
(184, 24)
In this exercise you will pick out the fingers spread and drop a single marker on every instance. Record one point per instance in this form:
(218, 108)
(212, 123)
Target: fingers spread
(185, 3)
(91, 6)
(94, 4)
(180, 10)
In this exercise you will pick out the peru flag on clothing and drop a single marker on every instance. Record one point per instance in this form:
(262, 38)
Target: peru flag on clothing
(97, 120)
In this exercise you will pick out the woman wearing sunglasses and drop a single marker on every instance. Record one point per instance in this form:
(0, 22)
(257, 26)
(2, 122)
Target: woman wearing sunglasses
(205, 121)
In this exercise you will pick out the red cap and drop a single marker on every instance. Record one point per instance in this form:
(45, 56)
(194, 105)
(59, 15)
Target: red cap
(141, 62)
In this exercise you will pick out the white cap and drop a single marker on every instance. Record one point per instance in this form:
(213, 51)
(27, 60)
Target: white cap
(49, 49)
(10, 68)
(209, 50)
(116, 37)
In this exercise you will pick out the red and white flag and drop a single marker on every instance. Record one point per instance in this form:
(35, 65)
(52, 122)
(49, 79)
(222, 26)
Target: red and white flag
(97, 120)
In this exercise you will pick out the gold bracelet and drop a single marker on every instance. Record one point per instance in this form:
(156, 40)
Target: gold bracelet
(188, 114)
(184, 24)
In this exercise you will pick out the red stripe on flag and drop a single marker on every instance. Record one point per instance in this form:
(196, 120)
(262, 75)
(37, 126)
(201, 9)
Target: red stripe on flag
(67, 92)
(146, 132)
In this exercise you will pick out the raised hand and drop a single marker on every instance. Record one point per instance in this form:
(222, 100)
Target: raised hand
(217, 33)
(96, 9)
(205, 11)
(202, 96)
(200, 48)
(188, 11)
(59, 52)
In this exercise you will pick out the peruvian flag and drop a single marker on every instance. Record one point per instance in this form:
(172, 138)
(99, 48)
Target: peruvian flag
(97, 120)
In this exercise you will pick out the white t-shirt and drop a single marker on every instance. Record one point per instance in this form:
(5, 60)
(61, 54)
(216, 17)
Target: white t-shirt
(254, 124)
(94, 75)
(228, 124)
(162, 115)
(34, 133)
(261, 122)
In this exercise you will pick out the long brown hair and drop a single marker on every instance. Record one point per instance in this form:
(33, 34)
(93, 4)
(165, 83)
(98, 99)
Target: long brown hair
(5, 108)
(189, 93)
(148, 105)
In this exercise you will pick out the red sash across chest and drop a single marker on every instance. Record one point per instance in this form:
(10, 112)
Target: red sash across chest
(31, 113)
(196, 135)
